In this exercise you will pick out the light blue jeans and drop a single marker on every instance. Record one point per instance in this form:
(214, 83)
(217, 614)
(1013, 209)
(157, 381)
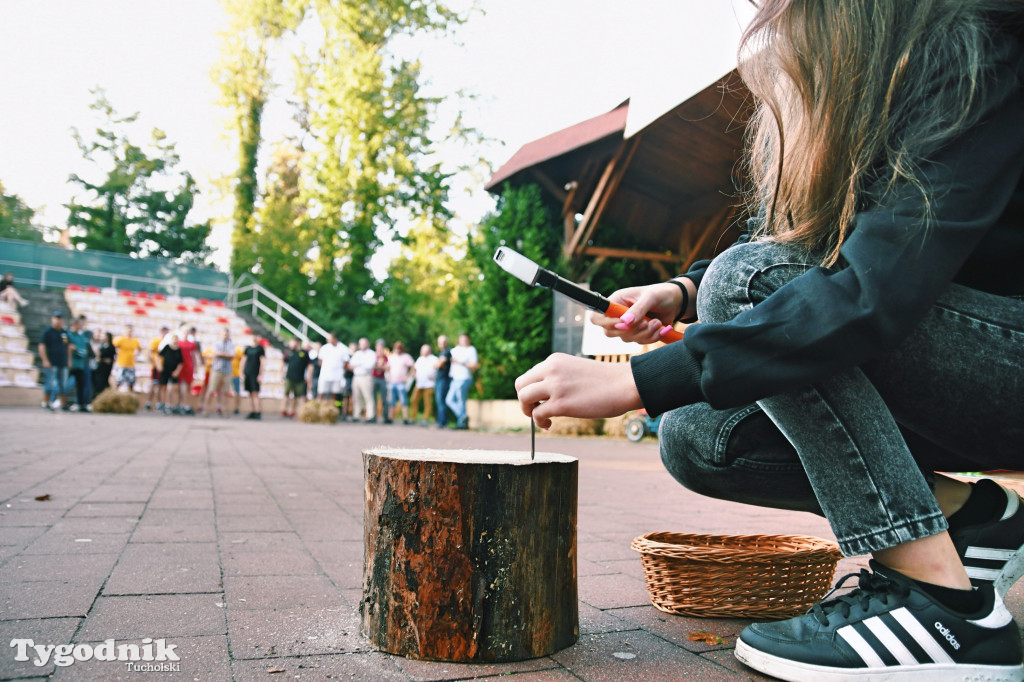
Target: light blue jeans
(860, 447)
(55, 379)
(458, 393)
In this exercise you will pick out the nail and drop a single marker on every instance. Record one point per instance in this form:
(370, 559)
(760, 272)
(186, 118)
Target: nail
(620, 325)
(628, 318)
(664, 330)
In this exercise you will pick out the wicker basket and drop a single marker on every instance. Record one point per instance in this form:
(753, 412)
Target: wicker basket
(743, 576)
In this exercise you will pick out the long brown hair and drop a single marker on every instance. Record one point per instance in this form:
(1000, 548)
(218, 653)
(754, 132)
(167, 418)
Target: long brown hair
(851, 95)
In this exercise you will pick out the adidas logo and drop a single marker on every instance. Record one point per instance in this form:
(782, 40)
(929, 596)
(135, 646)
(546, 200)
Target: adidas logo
(944, 631)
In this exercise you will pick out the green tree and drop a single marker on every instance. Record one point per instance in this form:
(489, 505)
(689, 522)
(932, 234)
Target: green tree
(141, 203)
(426, 281)
(510, 323)
(280, 240)
(17, 219)
(165, 231)
(242, 76)
(368, 128)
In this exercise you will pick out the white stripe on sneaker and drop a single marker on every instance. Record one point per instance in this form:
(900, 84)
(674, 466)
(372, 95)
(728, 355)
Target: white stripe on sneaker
(986, 574)
(922, 636)
(1012, 503)
(861, 646)
(890, 641)
(989, 553)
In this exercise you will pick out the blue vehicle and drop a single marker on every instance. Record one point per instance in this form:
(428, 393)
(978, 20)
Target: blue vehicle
(640, 425)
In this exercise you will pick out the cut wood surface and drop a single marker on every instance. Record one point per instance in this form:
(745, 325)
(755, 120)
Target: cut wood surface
(469, 555)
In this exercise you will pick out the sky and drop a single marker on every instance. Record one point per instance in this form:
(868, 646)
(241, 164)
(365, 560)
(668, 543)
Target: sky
(534, 66)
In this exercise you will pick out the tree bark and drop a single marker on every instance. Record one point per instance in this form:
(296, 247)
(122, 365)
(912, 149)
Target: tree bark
(469, 555)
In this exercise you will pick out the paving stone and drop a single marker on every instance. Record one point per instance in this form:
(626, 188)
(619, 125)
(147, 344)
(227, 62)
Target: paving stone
(39, 567)
(181, 499)
(165, 568)
(341, 561)
(13, 518)
(49, 598)
(594, 660)
(280, 592)
(201, 658)
(95, 525)
(42, 631)
(612, 591)
(268, 522)
(67, 544)
(120, 493)
(358, 666)
(266, 633)
(21, 537)
(171, 615)
(679, 630)
(129, 509)
(176, 525)
(727, 659)
(424, 671)
(594, 621)
(236, 563)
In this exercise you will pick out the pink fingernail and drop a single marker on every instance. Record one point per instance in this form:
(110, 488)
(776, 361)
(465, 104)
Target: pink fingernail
(628, 318)
(664, 330)
(620, 325)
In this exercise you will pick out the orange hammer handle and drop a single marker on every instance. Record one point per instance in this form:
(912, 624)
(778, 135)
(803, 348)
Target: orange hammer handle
(618, 310)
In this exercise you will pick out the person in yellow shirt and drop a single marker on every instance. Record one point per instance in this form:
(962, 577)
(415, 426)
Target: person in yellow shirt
(236, 370)
(156, 361)
(207, 365)
(127, 348)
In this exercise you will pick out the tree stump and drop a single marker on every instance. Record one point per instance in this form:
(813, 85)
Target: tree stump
(469, 555)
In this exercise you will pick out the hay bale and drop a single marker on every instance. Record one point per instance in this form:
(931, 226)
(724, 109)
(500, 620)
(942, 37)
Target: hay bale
(573, 426)
(616, 426)
(318, 412)
(111, 401)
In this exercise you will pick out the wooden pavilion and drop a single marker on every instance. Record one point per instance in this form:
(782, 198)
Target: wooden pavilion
(670, 182)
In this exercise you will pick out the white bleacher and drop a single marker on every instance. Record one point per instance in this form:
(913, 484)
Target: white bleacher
(16, 361)
(113, 310)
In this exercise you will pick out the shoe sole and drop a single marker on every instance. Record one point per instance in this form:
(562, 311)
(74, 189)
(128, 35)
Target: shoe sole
(796, 671)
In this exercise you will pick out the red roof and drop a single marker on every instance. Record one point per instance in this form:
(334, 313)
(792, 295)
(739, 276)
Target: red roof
(564, 141)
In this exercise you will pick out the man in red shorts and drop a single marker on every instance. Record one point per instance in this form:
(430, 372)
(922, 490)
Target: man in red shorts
(187, 344)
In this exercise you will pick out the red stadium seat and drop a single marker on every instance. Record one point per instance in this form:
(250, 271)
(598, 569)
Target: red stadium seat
(150, 304)
(219, 304)
(204, 301)
(140, 311)
(74, 287)
(223, 320)
(93, 290)
(7, 320)
(131, 303)
(183, 308)
(159, 297)
(197, 309)
(142, 294)
(125, 292)
(248, 331)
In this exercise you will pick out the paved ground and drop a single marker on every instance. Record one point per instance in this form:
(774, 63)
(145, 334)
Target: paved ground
(241, 544)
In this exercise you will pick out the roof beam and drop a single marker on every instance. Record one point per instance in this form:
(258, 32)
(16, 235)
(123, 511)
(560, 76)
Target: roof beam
(610, 180)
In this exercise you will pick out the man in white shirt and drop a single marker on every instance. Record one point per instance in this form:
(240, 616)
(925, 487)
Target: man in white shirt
(426, 373)
(464, 363)
(331, 383)
(362, 363)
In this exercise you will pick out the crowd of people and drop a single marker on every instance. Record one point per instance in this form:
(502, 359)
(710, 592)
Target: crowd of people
(365, 384)
(91, 362)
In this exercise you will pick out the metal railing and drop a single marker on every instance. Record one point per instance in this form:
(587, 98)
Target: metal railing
(58, 277)
(264, 305)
